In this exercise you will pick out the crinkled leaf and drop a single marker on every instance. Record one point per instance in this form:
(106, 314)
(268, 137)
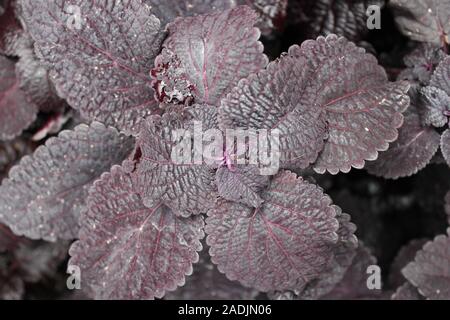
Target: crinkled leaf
(208, 283)
(168, 10)
(10, 29)
(324, 17)
(46, 192)
(241, 184)
(407, 292)
(354, 283)
(411, 152)
(362, 109)
(289, 239)
(445, 145)
(216, 50)
(34, 79)
(405, 255)
(436, 107)
(39, 259)
(272, 14)
(423, 20)
(430, 271)
(272, 100)
(343, 255)
(100, 58)
(423, 60)
(187, 187)
(441, 77)
(170, 80)
(129, 251)
(16, 113)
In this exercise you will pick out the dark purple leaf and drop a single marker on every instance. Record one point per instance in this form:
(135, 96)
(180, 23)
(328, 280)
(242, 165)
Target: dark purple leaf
(8, 240)
(241, 184)
(407, 292)
(289, 239)
(168, 10)
(447, 206)
(208, 283)
(423, 20)
(16, 113)
(99, 55)
(343, 255)
(404, 256)
(345, 18)
(272, 100)
(435, 107)
(11, 286)
(353, 286)
(187, 187)
(362, 109)
(129, 251)
(215, 51)
(411, 152)
(10, 29)
(441, 77)
(272, 14)
(34, 79)
(422, 62)
(430, 271)
(46, 192)
(445, 145)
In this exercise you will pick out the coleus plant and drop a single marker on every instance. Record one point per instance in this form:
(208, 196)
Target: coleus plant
(140, 225)
(428, 69)
(138, 75)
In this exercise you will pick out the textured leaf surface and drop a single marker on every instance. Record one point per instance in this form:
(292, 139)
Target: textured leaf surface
(272, 100)
(436, 107)
(272, 14)
(208, 283)
(129, 251)
(422, 62)
(445, 145)
(241, 184)
(16, 113)
(185, 186)
(168, 10)
(288, 239)
(353, 286)
(34, 79)
(344, 18)
(362, 109)
(99, 60)
(430, 271)
(441, 77)
(407, 292)
(411, 152)
(10, 29)
(343, 255)
(405, 255)
(424, 20)
(46, 192)
(217, 50)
